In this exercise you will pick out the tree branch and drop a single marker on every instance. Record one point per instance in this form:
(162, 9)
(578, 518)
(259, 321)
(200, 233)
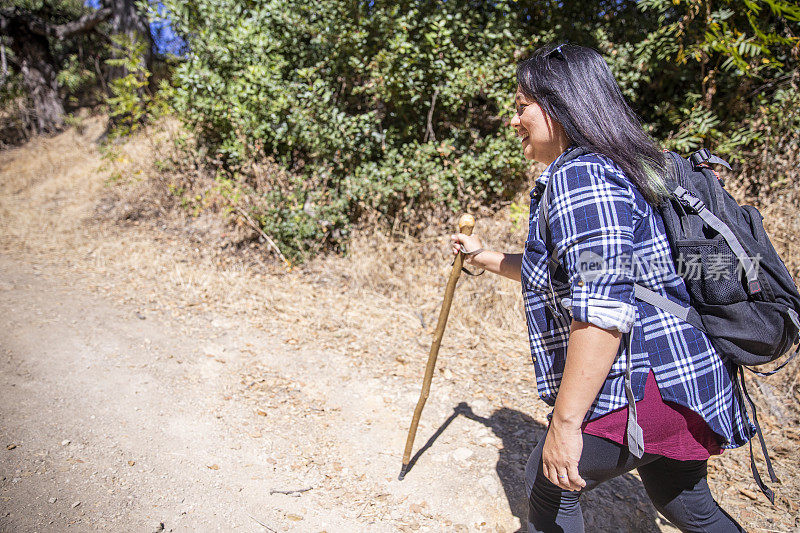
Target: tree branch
(36, 25)
(3, 64)
(429, 130)
(84, 24)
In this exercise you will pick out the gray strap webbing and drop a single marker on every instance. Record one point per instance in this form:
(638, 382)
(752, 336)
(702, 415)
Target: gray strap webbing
(543, 208)
(719, 161)
(635, 433)
(662, 302)
(794, 317)
(720, 227)
(542, 227)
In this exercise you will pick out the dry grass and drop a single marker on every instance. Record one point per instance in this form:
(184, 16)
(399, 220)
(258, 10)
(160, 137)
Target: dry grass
(779, 204)
(114, 220)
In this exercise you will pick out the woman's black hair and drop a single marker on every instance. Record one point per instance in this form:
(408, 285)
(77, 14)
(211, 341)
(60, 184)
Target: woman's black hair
(574, 86)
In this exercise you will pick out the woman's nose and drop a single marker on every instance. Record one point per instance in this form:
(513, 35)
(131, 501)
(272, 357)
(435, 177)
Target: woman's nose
(514, 120)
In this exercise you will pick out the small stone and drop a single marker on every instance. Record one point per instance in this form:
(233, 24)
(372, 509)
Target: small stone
(418, 507)
(52, 500)
(74, 505)
(65, 442)
(213, 350)
(489, 484)
(11, 446)
(462, 454)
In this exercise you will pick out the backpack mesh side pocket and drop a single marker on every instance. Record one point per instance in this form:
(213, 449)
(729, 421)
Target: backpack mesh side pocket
(710, 271)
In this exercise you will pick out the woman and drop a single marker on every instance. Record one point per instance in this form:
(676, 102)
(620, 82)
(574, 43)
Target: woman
(602, 180)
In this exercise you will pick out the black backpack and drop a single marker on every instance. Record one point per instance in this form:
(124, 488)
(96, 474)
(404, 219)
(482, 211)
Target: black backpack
(741, 294)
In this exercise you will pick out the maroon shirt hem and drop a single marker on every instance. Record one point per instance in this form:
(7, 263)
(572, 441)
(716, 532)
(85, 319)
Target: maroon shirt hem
(670, 430)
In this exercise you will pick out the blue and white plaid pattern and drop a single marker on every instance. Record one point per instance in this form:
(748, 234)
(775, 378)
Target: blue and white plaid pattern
(594, 211)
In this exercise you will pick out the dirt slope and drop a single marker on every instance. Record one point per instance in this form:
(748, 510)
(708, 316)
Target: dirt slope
(144, 381)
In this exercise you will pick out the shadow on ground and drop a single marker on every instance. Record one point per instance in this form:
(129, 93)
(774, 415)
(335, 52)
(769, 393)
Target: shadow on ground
(620, 504)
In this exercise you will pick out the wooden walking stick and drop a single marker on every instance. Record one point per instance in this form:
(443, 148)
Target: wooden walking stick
(465, 225)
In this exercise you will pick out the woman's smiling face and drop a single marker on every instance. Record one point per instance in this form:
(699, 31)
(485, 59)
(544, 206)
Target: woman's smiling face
(543, 139)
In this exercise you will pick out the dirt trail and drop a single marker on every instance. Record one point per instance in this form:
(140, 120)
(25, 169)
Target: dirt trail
(134, 395)
(144, 423)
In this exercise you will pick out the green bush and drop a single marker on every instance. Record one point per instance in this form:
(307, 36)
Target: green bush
(398, 110)
(340, 94)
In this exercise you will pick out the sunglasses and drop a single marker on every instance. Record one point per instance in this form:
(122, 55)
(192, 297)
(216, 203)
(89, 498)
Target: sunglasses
(556, 53)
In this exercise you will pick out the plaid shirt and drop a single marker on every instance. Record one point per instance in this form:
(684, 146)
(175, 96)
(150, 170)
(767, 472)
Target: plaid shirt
(596, 213)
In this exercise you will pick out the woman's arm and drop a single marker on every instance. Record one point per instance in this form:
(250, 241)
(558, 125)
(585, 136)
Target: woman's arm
(507, 265)
(590, 353)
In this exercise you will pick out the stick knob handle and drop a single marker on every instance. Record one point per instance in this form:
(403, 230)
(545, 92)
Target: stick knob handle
(466, 223)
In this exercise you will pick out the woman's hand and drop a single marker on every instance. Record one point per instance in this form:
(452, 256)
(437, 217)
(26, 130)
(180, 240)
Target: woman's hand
(469, 243)
(590, 353)
(507, 265)
(560, 456)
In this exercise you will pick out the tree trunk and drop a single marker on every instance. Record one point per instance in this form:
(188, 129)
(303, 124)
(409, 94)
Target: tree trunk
(29, 37)
(36, 65)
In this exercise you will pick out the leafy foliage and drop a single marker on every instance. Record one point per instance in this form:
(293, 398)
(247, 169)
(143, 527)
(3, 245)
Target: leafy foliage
(729, 56)
(129, 100)
(341, 94)
(75, 75)
(397, 111)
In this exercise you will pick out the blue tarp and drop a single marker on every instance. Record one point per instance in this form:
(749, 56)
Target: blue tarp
(166, 41)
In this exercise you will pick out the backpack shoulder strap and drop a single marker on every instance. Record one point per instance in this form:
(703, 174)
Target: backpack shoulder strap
(687, 314)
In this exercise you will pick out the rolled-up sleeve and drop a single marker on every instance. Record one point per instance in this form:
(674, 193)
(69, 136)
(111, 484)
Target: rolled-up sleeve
(591, 222)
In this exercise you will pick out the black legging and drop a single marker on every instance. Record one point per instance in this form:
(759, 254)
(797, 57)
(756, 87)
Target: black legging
(678, 489)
